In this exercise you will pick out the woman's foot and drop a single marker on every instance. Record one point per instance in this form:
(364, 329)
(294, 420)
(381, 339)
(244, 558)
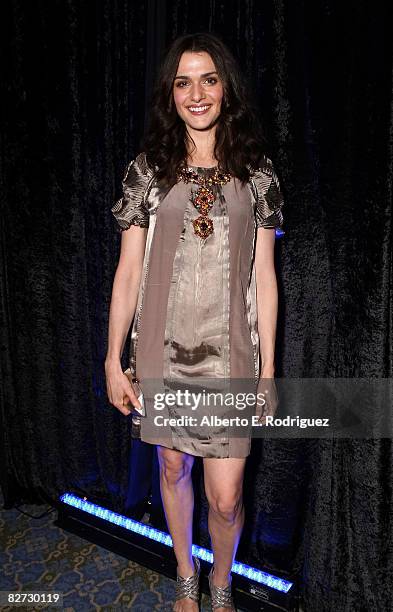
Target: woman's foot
(186, 605)
(187, 591)
(221, 595)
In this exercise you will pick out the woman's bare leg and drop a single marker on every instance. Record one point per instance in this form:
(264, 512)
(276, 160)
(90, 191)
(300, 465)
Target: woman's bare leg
(178, 499)
(224, 491)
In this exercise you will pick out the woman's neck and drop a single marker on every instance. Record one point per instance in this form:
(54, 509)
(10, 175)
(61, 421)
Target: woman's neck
(203, 153)
(198, 161)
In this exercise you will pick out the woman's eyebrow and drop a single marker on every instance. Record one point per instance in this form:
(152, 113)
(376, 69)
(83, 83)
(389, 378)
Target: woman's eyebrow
(202, 75)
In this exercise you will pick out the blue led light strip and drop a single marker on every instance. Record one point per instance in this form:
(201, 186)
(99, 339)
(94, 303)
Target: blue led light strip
(160, 536)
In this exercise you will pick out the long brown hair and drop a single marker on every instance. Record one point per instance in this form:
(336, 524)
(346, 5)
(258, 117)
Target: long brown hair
(239, 136)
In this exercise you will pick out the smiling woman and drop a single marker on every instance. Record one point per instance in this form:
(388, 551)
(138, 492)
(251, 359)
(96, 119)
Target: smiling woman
(194, 74)
(198, 92)
(201, 283)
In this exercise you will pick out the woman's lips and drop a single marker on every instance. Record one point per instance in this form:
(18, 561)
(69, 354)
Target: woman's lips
(196, 113)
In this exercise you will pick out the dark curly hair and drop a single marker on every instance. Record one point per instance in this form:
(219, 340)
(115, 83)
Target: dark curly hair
(239, 136)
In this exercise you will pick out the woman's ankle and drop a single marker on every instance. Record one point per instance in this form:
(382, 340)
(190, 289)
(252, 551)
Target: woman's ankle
(185, 569)
(221, 581)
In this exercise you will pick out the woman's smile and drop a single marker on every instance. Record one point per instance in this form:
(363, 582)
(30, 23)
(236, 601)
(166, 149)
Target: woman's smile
(199, 110)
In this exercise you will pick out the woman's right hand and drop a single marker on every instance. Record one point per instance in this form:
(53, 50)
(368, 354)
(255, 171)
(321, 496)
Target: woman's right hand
(119, 389)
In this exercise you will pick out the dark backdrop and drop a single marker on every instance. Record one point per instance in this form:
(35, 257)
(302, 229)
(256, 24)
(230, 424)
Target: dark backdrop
(75, 80)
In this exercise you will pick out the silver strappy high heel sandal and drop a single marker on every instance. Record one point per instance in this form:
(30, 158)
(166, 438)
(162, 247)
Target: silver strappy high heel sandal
(221, 597)
(189, 587)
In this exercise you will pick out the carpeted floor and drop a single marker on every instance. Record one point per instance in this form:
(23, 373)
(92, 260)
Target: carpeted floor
(35, 555)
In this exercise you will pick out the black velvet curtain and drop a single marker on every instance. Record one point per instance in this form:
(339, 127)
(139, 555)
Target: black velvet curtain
(76, 77)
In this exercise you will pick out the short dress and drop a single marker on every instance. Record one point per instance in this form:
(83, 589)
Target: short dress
(196, 314)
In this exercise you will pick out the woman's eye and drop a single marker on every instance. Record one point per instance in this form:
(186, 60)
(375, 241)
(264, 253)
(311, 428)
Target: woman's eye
(210, 80)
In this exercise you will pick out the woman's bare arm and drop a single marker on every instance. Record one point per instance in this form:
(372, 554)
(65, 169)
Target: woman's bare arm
(124, 299)
(267, 298)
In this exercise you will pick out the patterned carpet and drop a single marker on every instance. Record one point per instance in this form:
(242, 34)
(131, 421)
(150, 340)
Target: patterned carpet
(35, 555)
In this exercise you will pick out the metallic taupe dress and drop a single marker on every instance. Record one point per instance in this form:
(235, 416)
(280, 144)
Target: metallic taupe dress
(196, 314)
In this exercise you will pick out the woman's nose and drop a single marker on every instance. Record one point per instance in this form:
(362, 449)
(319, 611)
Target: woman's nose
(197, 93)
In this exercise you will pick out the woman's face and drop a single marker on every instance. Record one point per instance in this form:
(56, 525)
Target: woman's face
(197, 90)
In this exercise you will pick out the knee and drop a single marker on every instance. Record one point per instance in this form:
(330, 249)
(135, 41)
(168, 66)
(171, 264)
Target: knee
(175, 470)
(227, 507)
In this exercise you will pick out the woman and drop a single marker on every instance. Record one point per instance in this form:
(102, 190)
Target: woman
(198, 215)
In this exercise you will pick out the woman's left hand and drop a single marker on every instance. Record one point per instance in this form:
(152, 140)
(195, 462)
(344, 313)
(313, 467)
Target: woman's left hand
(268, 401)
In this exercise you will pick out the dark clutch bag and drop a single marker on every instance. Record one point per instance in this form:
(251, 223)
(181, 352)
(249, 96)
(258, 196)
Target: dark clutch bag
(139, 393)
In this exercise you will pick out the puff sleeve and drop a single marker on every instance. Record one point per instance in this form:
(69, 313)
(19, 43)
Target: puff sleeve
(131, 209)
(270, 200)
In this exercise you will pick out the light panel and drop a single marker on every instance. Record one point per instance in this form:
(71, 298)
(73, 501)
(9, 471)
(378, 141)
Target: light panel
(274, 582)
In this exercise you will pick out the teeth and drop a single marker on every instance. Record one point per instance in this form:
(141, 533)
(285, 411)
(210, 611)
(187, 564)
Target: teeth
(198, 109)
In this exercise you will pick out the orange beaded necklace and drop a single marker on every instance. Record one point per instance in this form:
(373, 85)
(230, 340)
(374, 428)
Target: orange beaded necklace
(204, 197)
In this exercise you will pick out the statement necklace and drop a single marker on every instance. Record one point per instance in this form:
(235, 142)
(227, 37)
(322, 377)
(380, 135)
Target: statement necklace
(204, 197)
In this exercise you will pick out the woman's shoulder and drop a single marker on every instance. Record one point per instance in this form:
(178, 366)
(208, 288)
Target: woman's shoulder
(141, 164)
(264, 169)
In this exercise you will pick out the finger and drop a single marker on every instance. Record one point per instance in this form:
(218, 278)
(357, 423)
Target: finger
(131, 396)
(123, 408)
(266, 410)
